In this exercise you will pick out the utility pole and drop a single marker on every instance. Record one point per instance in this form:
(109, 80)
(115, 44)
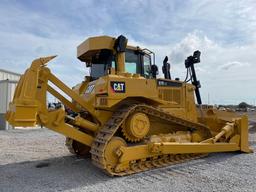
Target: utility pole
(208, 99)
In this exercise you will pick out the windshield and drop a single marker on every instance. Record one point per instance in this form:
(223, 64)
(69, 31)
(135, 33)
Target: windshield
(101, 63)
(98, 70)
(136, 62)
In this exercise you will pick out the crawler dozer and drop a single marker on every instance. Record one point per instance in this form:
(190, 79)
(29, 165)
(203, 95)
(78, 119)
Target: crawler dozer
(123, 116)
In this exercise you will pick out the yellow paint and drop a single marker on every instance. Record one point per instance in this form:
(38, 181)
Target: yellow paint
(100, 98)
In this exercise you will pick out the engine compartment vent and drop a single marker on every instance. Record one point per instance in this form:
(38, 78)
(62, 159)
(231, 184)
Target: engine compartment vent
(171, 95)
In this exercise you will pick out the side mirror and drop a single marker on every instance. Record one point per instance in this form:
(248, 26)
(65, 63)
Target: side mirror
(189, 64)
(196, 56)
(154, 70)
(191, 60)
(165, 60)
(120, 44)
(166, 68)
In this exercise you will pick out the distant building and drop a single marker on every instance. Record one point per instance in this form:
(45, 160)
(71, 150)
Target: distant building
(4, 74)
(8, 83)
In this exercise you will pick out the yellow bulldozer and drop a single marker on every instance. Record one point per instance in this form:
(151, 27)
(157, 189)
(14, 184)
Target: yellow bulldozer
(122, 116)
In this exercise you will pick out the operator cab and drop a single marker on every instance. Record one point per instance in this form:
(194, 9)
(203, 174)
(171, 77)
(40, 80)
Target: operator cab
(136, 62)
(101, 55)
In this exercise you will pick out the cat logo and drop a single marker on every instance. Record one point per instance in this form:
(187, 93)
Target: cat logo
(118, 87)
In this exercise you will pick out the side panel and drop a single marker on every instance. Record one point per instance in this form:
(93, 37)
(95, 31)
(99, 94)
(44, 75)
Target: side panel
(191, 110)
(3, 96)
(7, 89)
(173, 96)
(172, 93)
(120, 88)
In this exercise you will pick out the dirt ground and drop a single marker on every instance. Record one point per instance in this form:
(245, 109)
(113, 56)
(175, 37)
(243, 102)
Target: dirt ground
(37, 160)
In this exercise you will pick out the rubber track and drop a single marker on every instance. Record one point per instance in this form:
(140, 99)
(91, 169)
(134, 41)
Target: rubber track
(110, 128)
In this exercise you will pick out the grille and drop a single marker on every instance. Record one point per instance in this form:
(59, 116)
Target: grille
(172, 95)
(103, 101)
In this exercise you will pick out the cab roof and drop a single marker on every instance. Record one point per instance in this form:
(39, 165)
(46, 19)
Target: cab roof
(94, 45)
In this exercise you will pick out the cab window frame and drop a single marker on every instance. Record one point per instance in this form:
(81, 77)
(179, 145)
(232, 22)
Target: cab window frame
(133, 53)
(150, 64)
(140, 63)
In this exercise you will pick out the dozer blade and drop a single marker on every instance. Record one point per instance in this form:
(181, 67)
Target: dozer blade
(216, 120)
(237, 142)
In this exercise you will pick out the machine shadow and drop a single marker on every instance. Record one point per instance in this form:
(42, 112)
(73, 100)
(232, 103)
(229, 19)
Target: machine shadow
(70, 172)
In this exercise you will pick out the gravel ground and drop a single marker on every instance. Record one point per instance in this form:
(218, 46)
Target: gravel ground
(37, 160)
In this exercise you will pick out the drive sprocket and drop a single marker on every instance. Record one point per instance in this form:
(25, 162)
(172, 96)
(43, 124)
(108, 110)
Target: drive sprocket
(136, 127)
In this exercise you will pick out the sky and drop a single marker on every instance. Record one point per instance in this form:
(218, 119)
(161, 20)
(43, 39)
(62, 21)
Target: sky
(223, 30)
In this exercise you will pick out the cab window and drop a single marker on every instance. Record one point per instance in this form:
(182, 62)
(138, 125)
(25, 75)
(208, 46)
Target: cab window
(147, 66)
(137, 62)
(98, 70)
(131, 62)
(101, 63)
